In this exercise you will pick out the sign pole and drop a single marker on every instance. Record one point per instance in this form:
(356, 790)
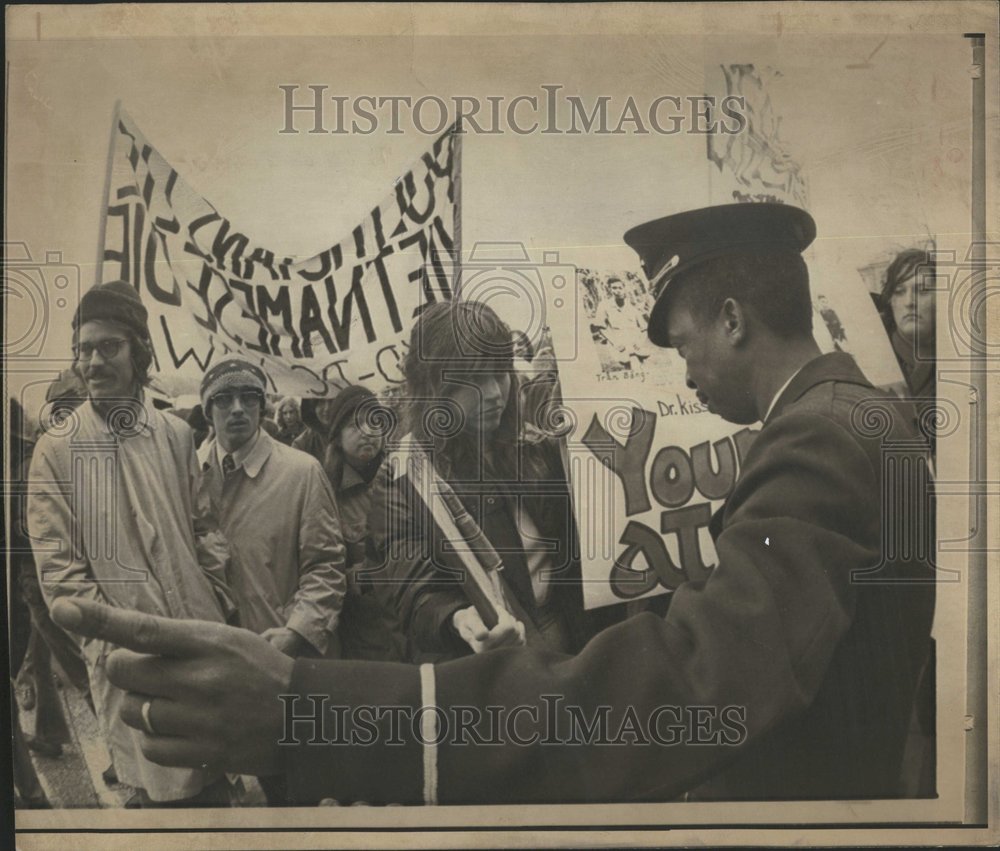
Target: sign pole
(99, 272)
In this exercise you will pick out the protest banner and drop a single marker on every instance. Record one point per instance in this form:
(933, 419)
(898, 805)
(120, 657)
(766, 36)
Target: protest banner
(314, 325)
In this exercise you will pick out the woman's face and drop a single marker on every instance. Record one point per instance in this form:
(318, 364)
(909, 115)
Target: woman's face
(288, 416)
(324, 411)
(912, 304)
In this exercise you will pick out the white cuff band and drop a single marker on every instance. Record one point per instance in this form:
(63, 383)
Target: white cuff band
(429, 733)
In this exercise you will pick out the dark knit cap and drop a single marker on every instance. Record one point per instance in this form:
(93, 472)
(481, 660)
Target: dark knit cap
(345, 403)
(115, 301)
(231, 374)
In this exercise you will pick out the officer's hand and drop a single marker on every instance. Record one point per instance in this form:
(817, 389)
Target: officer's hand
(212, 689)
(507, 633)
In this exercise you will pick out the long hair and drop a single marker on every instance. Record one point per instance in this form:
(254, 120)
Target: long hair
(449, 337)
(905, 264)
(470, 337)
(460, 336)
(369, 414)
(287, 402)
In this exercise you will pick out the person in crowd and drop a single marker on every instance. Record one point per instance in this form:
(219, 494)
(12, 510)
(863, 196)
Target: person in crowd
(463, 410)
(907, 307)
(315, 434)
(29, 658)
(200, 427)
(194, 416)
(789, 673)
(63, 396)
(354, 457)
(28, 791)
(538, 392)
(268, 417)
(34, 684)
(288, 418)
(276, 509)
(113, 517)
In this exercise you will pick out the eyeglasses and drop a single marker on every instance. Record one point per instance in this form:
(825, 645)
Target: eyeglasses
(106, 348)
(248, 399)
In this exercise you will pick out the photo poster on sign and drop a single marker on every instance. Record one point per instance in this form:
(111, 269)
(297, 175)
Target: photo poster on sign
(648, 463)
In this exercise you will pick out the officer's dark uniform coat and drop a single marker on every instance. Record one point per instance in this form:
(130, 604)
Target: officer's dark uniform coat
(821, 666)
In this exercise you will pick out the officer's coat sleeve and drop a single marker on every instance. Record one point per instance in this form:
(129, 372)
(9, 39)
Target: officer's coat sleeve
(758, 636)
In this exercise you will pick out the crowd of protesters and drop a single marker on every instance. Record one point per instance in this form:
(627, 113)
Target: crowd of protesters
(270, 517)
(288, 518)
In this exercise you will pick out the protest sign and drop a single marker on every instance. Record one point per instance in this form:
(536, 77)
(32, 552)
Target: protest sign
(649, 463)
(340, 317)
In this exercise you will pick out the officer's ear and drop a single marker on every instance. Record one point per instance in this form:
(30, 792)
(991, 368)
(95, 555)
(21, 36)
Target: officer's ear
(734, 321)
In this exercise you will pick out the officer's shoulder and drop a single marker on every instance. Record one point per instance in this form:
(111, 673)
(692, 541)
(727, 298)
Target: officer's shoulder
(832, 409)
(835, 400)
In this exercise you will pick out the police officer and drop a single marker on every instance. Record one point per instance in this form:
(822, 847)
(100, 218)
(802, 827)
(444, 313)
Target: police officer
(789, 673)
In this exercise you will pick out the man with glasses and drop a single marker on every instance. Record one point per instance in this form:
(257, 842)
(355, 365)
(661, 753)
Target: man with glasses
(276, 508)
(113, 517)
